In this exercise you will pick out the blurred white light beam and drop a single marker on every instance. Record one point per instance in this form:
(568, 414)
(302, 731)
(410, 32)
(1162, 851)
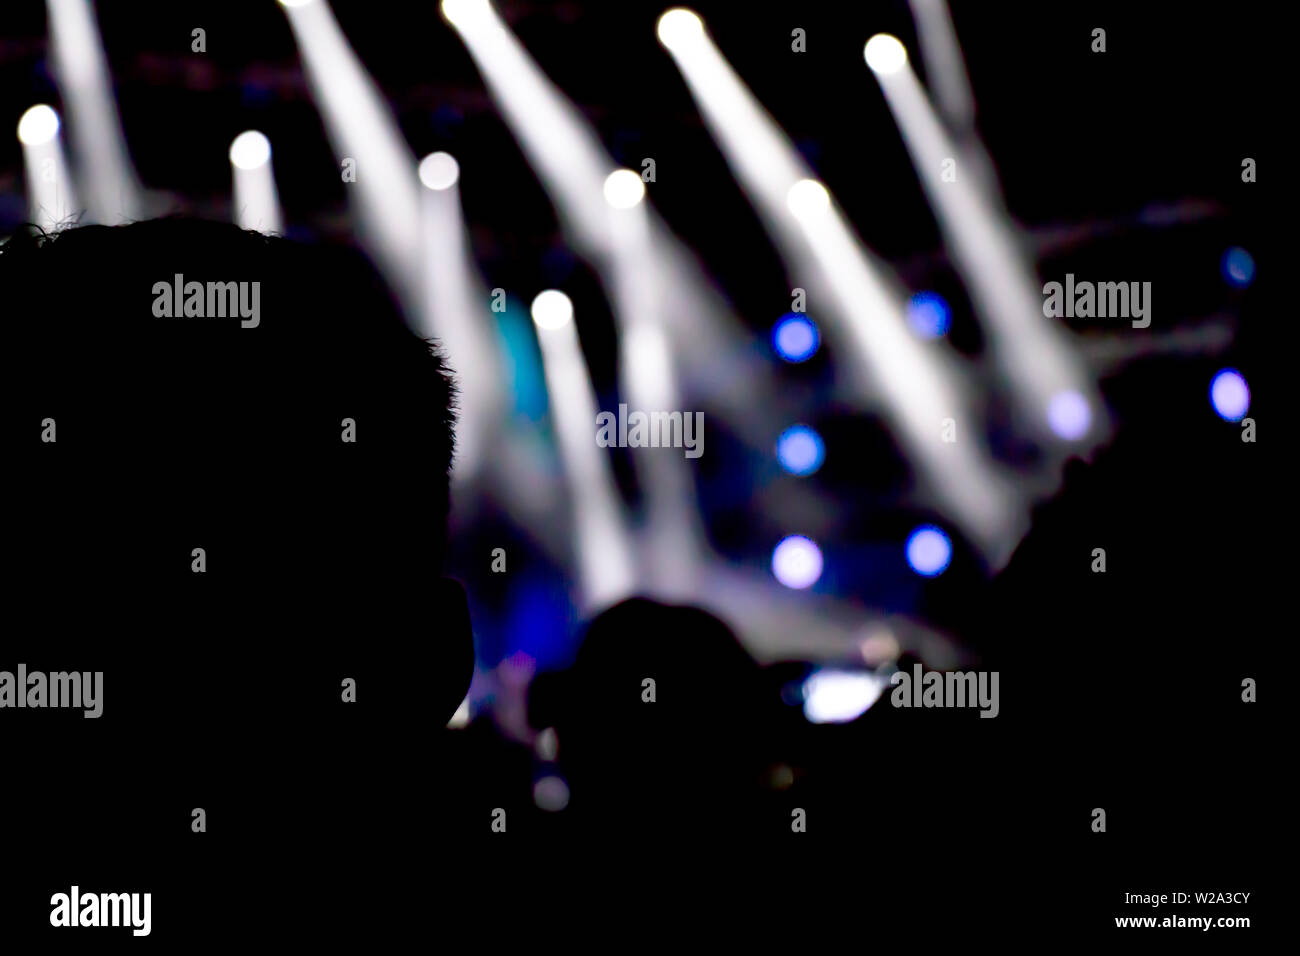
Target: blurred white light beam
(604, 550)
(603, 211)
(256, 201)
(52, 201)
(111, 188)
(917, 386)
(566, 153)
(375, 162)
(673, 539)
(1032, 351)
(575, 169)
(457, 311)
(944, 66)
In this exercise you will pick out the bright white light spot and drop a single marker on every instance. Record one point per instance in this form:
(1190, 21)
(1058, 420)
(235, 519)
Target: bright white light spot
(551, 794)
(461, 717)
(797, 562)
(552, 309)
(466, 13)
(836, 697)
(679, 28)
(439, 171)
(623, 189)
(808, 199)
(1068, 415)
(38, 125)
(929, 552)
(250, 150)
(884, 54)
(1230, 395)
(294, 3)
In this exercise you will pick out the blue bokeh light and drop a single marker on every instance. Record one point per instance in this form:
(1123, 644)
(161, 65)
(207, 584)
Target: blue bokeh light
(929, 314)
(795, 337)
(800, 450)
(1230, 395)
(929, 552)
(1238, 267)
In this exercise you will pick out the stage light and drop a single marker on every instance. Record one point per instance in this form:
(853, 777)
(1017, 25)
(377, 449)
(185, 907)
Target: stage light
(929, 315)
(460, 719)
(1068, 415)
(552, 309)
(1238, 267)
(295, 3)
(800, 450)
(250, 150)
(466, 13)
(795, 338)
(797, 562)
(1230, 395)
(38, 126)
(862, 305)
(439, 171)
(623, 189)
(678, 28)
(256, 200)
(1036, 358)
(369, 149)
(808, 200)
(929, 552)
(884, 54)
(836, 697)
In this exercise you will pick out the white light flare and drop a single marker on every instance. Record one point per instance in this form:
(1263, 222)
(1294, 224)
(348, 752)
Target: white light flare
(110, 186)
(439, 171)
(1030, 350)
(52, 200)
(865, 312)
(456, 313)
(944, 66)
(623, 189)
(603, 545)
(709, 342)
(257, 203)
(838, 696)
(374, 160)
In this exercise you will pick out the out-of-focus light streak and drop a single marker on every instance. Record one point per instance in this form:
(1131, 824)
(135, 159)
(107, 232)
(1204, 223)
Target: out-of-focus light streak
(672, 538)
(708, 344)
(376, 165)
(52, 201)
(457, 312)
(917, 387)
(604, 550)
(256, 201)
(944, 66)
(1033, 354)
(110, 187)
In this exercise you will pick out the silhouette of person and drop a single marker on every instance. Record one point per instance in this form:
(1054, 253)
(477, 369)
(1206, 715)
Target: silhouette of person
(229, 462)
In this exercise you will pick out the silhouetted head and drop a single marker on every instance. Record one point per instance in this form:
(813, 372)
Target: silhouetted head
(194, 370)
(176, 386)
(660, 708)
